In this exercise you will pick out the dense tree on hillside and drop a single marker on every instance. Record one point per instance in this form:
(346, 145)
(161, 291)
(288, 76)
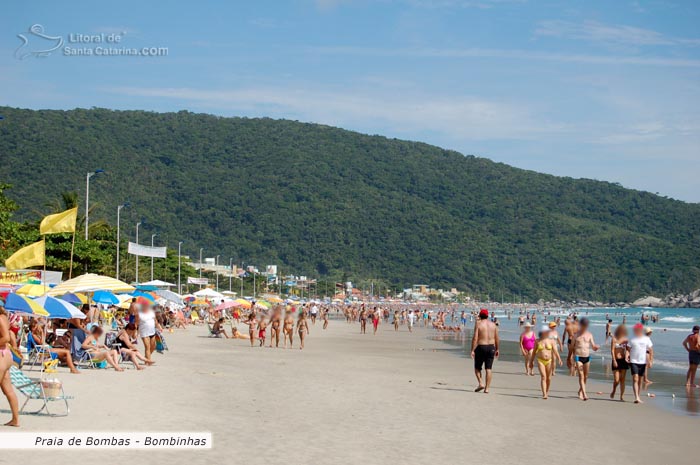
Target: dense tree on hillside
(339, 205)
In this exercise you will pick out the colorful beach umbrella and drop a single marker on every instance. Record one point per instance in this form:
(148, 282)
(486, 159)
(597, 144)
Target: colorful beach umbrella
(58, 308)
(243, 303)
(75, 299)
(169, 295)
(227, 304)
(90, 283)
(145, 295)
(33, 290)
(21, 304)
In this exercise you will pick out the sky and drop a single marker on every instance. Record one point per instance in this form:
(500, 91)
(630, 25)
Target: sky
(607, 90)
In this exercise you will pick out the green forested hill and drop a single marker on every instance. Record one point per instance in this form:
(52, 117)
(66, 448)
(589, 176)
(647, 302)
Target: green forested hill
(327, 202)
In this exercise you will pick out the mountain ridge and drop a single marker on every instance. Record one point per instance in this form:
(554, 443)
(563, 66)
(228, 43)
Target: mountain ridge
(320, 200)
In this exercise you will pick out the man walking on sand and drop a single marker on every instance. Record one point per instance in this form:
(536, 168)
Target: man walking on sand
(692, 344)
(485, 344)
(637, 349)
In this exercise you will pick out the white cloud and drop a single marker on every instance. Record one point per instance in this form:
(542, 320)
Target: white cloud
(594, 31)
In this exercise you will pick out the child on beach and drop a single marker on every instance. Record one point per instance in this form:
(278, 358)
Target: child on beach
(252, 326)
(262, 333)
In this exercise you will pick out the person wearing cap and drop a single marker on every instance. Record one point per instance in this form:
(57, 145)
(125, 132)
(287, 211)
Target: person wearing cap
(637, 349)
(692, 345)
(485, 343)
(546, 354)
(582, 344)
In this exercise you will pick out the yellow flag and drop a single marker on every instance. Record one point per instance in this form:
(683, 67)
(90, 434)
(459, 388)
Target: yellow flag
(31, 255)
(60, 222)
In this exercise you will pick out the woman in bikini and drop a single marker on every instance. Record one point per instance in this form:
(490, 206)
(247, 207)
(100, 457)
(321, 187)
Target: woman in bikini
(5, 364)
(62, 354)
(527, 345)
(545, 353)
(127, 337)
(302, 329)
(99, 351)
(252, 325)
(375, 319)
(618, 348)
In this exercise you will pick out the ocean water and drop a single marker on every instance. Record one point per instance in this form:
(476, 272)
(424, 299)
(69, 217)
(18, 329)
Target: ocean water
(670, 358)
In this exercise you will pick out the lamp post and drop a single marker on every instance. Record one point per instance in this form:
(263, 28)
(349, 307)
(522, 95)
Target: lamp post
(179, 254)
(241, 276)
(137, 255)
(152, 243)
(87, 199)
(201, 249)
(216, 270)
(253, 283)
(119, 210)
(230, 274)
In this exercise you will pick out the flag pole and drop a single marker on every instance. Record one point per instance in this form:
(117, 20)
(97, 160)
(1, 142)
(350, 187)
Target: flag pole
(43, 274)
(72, 248)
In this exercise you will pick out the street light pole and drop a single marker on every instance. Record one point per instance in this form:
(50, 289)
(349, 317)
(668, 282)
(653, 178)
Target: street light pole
(119, 210)
(137, 255)
(179, 254)
(241, 276)
(216, 270)
(152, 243)
(87, 199)
(230, 274)
(201, 249)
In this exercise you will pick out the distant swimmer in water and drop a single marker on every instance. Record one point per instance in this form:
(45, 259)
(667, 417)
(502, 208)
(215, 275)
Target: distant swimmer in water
(485, 344)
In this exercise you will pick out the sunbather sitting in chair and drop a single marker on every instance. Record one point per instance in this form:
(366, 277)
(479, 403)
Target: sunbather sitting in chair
(100, 352)
(63, 354)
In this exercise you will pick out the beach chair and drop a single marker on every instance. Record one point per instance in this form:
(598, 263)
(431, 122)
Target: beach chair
(81, 357)
(35, 389)
(38, 354)
(111, 343)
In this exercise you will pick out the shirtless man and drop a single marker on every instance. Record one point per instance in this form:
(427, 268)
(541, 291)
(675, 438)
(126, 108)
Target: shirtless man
(570, 330)
(582, 344)
(325, 317)
(485, 344)
(692, 345)
(288, 329)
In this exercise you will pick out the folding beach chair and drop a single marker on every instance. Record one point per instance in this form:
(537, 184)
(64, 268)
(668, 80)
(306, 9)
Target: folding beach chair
(38, 353)
(34, 389)
(81, 357)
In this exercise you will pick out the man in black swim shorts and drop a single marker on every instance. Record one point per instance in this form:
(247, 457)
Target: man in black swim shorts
(485, 343)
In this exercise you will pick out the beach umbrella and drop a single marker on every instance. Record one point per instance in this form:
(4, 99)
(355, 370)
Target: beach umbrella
(209, 294)
(169, 295)
(158, 283)
(75, 299)
(33, 290)
(90, 283)
(243, 303)
(275, 300)
(263, 305)
(227, 304)
(21, 304)
(58, 308)
(146, 295)
(105, 297)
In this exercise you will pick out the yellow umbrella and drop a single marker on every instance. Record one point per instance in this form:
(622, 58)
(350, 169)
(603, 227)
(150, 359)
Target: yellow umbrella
(33, 290)
(275, 300)
(243, 303)
(263, 304)
(91, 283)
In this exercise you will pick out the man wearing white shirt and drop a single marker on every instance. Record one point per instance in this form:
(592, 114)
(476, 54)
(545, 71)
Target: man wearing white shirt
(637, 350)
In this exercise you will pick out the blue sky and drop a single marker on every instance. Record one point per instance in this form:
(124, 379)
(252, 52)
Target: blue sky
(607, 90)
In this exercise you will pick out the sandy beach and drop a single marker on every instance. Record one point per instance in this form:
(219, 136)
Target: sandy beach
(351, 398)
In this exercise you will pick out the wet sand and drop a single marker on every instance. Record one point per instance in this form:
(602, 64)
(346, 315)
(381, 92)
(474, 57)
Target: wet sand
(351, 398)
